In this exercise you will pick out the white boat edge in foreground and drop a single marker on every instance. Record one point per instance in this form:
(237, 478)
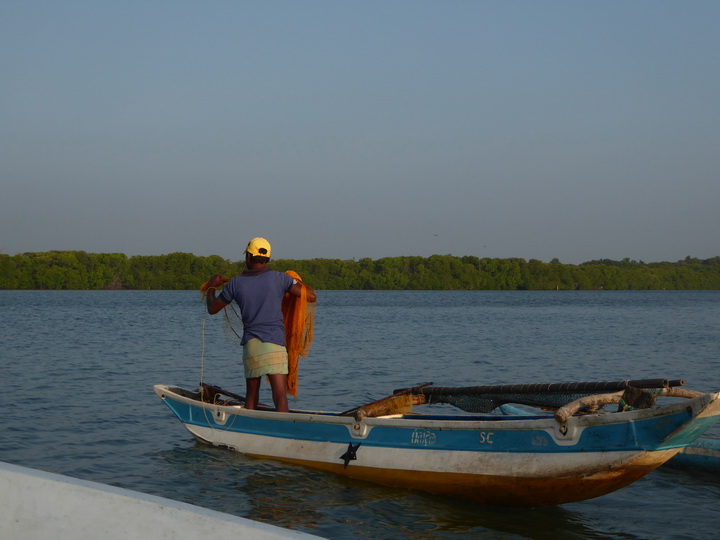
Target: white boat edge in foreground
(37, 505)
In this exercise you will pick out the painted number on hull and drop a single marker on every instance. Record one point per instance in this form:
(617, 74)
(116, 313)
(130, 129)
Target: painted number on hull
(423, 437)
(539, 440)
(486, 437)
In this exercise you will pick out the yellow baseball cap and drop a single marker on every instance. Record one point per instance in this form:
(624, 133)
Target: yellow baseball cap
(258, 247)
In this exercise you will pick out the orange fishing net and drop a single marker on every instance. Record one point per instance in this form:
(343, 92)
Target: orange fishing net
(299, 318)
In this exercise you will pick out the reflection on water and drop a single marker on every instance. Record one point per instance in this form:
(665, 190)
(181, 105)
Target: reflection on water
(337, 507)
(78, 369)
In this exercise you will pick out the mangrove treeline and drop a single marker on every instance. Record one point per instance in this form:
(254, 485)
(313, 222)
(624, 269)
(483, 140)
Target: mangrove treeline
(184, 271)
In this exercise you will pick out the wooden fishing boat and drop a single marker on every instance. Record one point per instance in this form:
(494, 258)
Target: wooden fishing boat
(572, 449)
(702, 455)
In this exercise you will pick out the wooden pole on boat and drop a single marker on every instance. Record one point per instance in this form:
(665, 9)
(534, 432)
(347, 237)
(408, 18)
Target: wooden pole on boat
(544, 388)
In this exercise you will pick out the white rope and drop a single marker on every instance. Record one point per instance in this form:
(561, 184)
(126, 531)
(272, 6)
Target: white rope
(202, 374)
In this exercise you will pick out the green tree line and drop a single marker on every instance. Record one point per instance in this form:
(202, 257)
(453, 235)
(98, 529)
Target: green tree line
(183, 271)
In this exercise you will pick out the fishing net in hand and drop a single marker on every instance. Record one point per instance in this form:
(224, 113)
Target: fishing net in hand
(232, 328)
(205, 287)
(299, 318)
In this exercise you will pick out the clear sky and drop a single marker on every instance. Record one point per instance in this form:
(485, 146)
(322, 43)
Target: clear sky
(571, 129)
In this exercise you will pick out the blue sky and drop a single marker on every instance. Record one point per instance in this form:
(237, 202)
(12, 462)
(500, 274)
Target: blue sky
(534, 129)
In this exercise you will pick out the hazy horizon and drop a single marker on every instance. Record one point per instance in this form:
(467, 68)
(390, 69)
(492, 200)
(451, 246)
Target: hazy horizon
(536, 130)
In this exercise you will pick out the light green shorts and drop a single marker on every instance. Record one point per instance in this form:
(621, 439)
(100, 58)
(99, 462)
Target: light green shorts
(261, 358)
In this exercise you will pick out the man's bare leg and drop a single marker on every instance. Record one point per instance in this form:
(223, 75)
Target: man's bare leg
(278, 383)
(252, 396)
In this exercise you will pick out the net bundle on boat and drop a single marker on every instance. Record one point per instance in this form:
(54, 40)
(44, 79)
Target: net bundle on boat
(401, 403)
(485, 399)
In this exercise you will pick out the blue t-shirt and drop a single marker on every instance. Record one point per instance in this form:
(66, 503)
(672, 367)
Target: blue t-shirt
(259, 297)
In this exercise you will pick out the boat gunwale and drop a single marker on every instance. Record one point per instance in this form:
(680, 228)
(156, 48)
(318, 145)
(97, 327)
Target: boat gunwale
(452, 422)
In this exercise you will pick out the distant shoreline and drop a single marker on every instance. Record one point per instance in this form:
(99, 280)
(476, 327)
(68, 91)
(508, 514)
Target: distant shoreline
(78, 270)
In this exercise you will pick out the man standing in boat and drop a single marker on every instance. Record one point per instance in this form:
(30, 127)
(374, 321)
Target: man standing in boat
(259, 292)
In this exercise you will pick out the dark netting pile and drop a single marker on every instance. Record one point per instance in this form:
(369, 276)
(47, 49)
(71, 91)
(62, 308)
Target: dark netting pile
(485, 399)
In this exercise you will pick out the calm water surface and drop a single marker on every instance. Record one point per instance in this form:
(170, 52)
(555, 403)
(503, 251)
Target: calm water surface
(78, 370)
